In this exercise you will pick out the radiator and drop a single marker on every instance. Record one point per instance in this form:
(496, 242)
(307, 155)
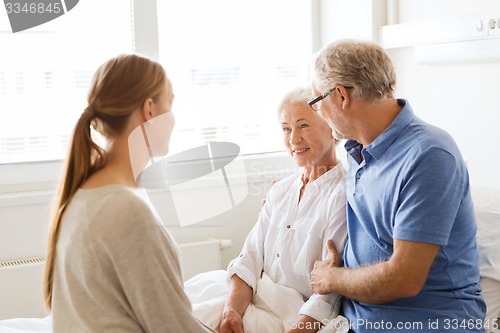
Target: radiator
(202, 255)
(21, 292)
(21, 280)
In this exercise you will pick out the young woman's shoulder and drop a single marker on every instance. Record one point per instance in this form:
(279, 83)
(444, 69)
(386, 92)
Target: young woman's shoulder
(117, 206)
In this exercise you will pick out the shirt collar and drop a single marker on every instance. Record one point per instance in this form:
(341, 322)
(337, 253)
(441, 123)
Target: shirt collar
(329, 175)
(334, 172)
(378, 147)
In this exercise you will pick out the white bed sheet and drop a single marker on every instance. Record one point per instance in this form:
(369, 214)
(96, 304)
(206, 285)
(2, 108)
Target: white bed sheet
(212, 286)
(24, 325)
(274, 308)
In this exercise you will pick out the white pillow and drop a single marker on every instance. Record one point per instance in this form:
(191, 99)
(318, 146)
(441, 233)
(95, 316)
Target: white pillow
(487, 210)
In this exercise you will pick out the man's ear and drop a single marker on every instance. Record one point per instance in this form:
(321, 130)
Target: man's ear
(344, 96)
(147, 109)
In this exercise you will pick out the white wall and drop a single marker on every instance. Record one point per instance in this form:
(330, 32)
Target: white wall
(415, 11)
(447, 68)
(459, 94)
(24, 215)
(454, 85)
(357, 19)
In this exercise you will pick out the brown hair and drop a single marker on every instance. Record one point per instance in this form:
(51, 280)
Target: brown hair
(119, 87)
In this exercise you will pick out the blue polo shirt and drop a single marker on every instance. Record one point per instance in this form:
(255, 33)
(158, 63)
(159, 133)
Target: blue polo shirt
(413, 185)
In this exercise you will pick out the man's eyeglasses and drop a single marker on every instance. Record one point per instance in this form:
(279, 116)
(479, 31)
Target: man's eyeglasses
(313, 102)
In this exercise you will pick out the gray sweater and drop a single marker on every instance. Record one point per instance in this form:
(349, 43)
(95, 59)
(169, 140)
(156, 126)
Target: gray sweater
(117, 267)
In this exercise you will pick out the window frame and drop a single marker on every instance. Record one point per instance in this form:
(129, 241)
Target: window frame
(34, 182)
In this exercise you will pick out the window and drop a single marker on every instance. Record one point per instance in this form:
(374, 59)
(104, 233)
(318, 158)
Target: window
(230, 63)
(45, 73)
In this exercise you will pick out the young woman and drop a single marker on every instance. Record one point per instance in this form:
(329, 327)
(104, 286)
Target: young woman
(111, 266)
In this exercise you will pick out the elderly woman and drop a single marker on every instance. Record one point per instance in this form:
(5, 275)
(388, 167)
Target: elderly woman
(301, 214)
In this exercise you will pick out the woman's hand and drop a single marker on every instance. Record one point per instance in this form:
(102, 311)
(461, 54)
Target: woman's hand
(240, 296)
(231, 322)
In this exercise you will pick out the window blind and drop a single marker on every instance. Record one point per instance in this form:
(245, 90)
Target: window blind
(45, 73)
(230, 63)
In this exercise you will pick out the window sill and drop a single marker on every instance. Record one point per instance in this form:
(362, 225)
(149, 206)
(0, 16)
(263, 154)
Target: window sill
(35, 183)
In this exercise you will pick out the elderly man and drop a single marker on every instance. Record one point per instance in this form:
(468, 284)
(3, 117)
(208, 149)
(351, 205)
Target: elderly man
(411, 260)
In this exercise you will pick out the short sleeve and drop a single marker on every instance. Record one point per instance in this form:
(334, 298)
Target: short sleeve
(430, 198)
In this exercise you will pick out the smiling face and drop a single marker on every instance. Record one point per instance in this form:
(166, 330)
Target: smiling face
(307, 136)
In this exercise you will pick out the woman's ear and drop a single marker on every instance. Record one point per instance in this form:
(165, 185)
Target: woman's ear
(147, 109)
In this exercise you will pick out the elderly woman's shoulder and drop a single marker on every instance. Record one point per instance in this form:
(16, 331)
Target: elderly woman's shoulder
(286, 183)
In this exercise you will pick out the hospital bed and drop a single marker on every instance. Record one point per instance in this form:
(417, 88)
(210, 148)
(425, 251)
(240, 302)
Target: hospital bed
(23, 286)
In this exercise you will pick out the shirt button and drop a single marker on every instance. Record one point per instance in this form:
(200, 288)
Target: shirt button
(241, 255)
(288, 226)
(358, 175)
(277, 255)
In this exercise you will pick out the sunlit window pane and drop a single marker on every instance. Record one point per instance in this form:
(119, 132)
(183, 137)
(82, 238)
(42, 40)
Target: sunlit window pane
(230, 63)
(45, 73)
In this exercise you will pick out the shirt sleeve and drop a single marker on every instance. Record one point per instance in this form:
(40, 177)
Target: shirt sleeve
(325, 307)
(250, 262)
(430, 198)
(144, 264)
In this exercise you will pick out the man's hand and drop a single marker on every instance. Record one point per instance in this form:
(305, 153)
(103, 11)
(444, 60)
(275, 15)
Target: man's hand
(323, 272)
(402, 275)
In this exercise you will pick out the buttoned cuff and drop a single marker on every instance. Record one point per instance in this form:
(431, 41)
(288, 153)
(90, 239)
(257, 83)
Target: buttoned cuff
(243, 273)
(319, 309)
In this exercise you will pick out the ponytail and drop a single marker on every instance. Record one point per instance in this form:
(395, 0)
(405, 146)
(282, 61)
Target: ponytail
(83, 159)
(111, 99)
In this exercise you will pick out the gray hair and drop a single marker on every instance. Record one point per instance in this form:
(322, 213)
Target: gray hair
(363, 65)
(297, 95)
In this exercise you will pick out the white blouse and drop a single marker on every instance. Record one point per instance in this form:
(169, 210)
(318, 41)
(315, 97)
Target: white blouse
(290, 236)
